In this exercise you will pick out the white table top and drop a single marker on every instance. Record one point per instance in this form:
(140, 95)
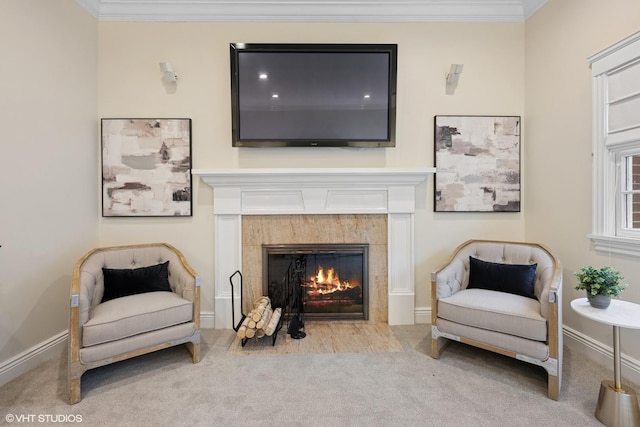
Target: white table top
(620, 313)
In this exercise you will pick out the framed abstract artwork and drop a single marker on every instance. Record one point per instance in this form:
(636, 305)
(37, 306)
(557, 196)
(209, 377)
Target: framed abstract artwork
(146, 167)
(477, 163)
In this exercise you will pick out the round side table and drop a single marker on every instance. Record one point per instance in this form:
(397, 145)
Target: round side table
(617, 403)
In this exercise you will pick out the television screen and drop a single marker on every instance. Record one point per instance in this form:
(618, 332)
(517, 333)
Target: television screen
(295, 95)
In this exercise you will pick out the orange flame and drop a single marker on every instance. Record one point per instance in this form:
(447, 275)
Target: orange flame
(328, 282)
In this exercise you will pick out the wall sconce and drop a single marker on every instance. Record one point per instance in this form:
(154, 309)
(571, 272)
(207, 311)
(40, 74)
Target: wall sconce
(452, 78)
(168, 75)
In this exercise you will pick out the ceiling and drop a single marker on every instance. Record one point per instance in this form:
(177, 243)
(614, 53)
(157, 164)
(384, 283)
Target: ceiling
(313, 10)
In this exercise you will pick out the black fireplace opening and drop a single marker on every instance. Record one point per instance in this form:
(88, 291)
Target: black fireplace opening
(317, 281)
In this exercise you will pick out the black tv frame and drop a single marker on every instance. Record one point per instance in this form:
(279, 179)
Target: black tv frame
(236, 48)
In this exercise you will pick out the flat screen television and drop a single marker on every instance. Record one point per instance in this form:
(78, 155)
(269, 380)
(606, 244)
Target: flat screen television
(313, 95)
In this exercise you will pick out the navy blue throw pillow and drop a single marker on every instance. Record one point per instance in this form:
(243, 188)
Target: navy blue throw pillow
(512, 278)
(130, 281)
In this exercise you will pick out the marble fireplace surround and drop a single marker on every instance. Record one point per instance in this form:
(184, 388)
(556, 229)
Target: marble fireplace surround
(339, 191)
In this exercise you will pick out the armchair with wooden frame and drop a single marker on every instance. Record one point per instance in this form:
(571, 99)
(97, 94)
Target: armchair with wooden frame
(114, 323)
(526, 325)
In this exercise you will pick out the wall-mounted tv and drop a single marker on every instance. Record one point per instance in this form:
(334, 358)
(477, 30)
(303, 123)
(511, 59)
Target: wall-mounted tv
(313, 95)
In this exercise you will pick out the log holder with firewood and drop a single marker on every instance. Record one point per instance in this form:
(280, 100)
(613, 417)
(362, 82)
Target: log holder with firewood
(262, 320)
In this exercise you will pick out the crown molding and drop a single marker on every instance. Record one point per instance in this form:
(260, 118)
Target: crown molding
(312, 10)
(531, 6)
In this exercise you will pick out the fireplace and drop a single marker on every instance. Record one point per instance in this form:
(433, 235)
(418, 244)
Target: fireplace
(318, 281)
(312, 192)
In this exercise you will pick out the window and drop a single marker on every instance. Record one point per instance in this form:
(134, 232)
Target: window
(628, 223)
(616, 147)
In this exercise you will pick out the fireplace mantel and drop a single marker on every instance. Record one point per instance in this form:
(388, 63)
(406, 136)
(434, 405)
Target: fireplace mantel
(312, 191)
(312, 176)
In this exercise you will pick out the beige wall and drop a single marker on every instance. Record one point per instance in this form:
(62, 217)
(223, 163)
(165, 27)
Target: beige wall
(130, 86)
(48, 165)
(559, 38)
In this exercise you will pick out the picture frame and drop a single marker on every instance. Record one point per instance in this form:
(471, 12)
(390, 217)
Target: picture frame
(477, 161)
(146, 167)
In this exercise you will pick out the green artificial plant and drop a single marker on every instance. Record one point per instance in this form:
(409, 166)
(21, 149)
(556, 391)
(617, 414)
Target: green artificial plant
(605, 281)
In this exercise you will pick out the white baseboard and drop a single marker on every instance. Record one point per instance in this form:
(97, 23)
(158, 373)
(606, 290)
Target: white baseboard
(602, 354)
(31, 358)
(422, 315)
(207, 320)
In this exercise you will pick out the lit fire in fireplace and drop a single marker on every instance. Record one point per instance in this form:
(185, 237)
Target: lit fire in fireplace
(325, 283)
(305, 279)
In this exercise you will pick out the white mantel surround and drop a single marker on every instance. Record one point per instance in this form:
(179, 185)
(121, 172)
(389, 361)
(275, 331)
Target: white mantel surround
(311, 191)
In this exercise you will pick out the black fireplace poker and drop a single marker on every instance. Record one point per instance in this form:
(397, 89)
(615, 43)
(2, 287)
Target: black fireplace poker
(295, 274)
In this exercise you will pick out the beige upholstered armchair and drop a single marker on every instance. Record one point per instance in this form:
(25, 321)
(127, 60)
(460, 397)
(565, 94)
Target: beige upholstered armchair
(504, 297)
(127, 301)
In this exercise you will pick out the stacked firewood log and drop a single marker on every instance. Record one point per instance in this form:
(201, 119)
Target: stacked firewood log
(262, 320)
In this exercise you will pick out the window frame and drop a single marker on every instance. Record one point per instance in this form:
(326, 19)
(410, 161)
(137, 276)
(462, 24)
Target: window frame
(625, 193)
(609, 147)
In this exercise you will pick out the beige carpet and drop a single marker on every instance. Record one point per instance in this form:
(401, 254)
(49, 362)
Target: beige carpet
(466, 387)
(325, 337)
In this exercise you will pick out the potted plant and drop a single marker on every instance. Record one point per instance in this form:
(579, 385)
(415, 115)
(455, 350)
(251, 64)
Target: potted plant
(600, 284)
